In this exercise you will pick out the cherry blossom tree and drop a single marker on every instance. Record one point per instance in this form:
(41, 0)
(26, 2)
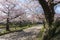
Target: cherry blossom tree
(10, 9)
(48, 7)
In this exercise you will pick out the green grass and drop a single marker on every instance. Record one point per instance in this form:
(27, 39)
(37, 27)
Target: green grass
(13, 29)
(39, 37)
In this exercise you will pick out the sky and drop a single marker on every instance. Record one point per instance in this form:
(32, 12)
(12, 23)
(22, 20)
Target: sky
(32, 6)
(57, 8)
(40, 9)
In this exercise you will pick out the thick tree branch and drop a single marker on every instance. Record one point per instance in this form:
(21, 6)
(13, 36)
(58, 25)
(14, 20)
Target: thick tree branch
(56, 3)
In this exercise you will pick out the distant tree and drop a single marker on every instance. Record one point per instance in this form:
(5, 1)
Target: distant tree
(10, 11)
(48, 7)
(8, 6)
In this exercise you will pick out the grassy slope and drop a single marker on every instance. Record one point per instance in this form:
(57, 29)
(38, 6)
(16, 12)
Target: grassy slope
(13, 29)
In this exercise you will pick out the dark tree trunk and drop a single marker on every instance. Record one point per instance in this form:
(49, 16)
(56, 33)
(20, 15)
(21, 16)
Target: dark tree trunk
(7, 25)
(48, 8)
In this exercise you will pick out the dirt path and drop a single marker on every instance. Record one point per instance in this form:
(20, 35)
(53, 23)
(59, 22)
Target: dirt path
(26, 34)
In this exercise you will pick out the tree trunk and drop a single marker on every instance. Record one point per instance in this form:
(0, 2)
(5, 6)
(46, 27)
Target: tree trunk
(48, 8)
(7, 25)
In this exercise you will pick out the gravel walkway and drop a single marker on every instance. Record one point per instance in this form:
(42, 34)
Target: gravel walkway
(26, 34)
